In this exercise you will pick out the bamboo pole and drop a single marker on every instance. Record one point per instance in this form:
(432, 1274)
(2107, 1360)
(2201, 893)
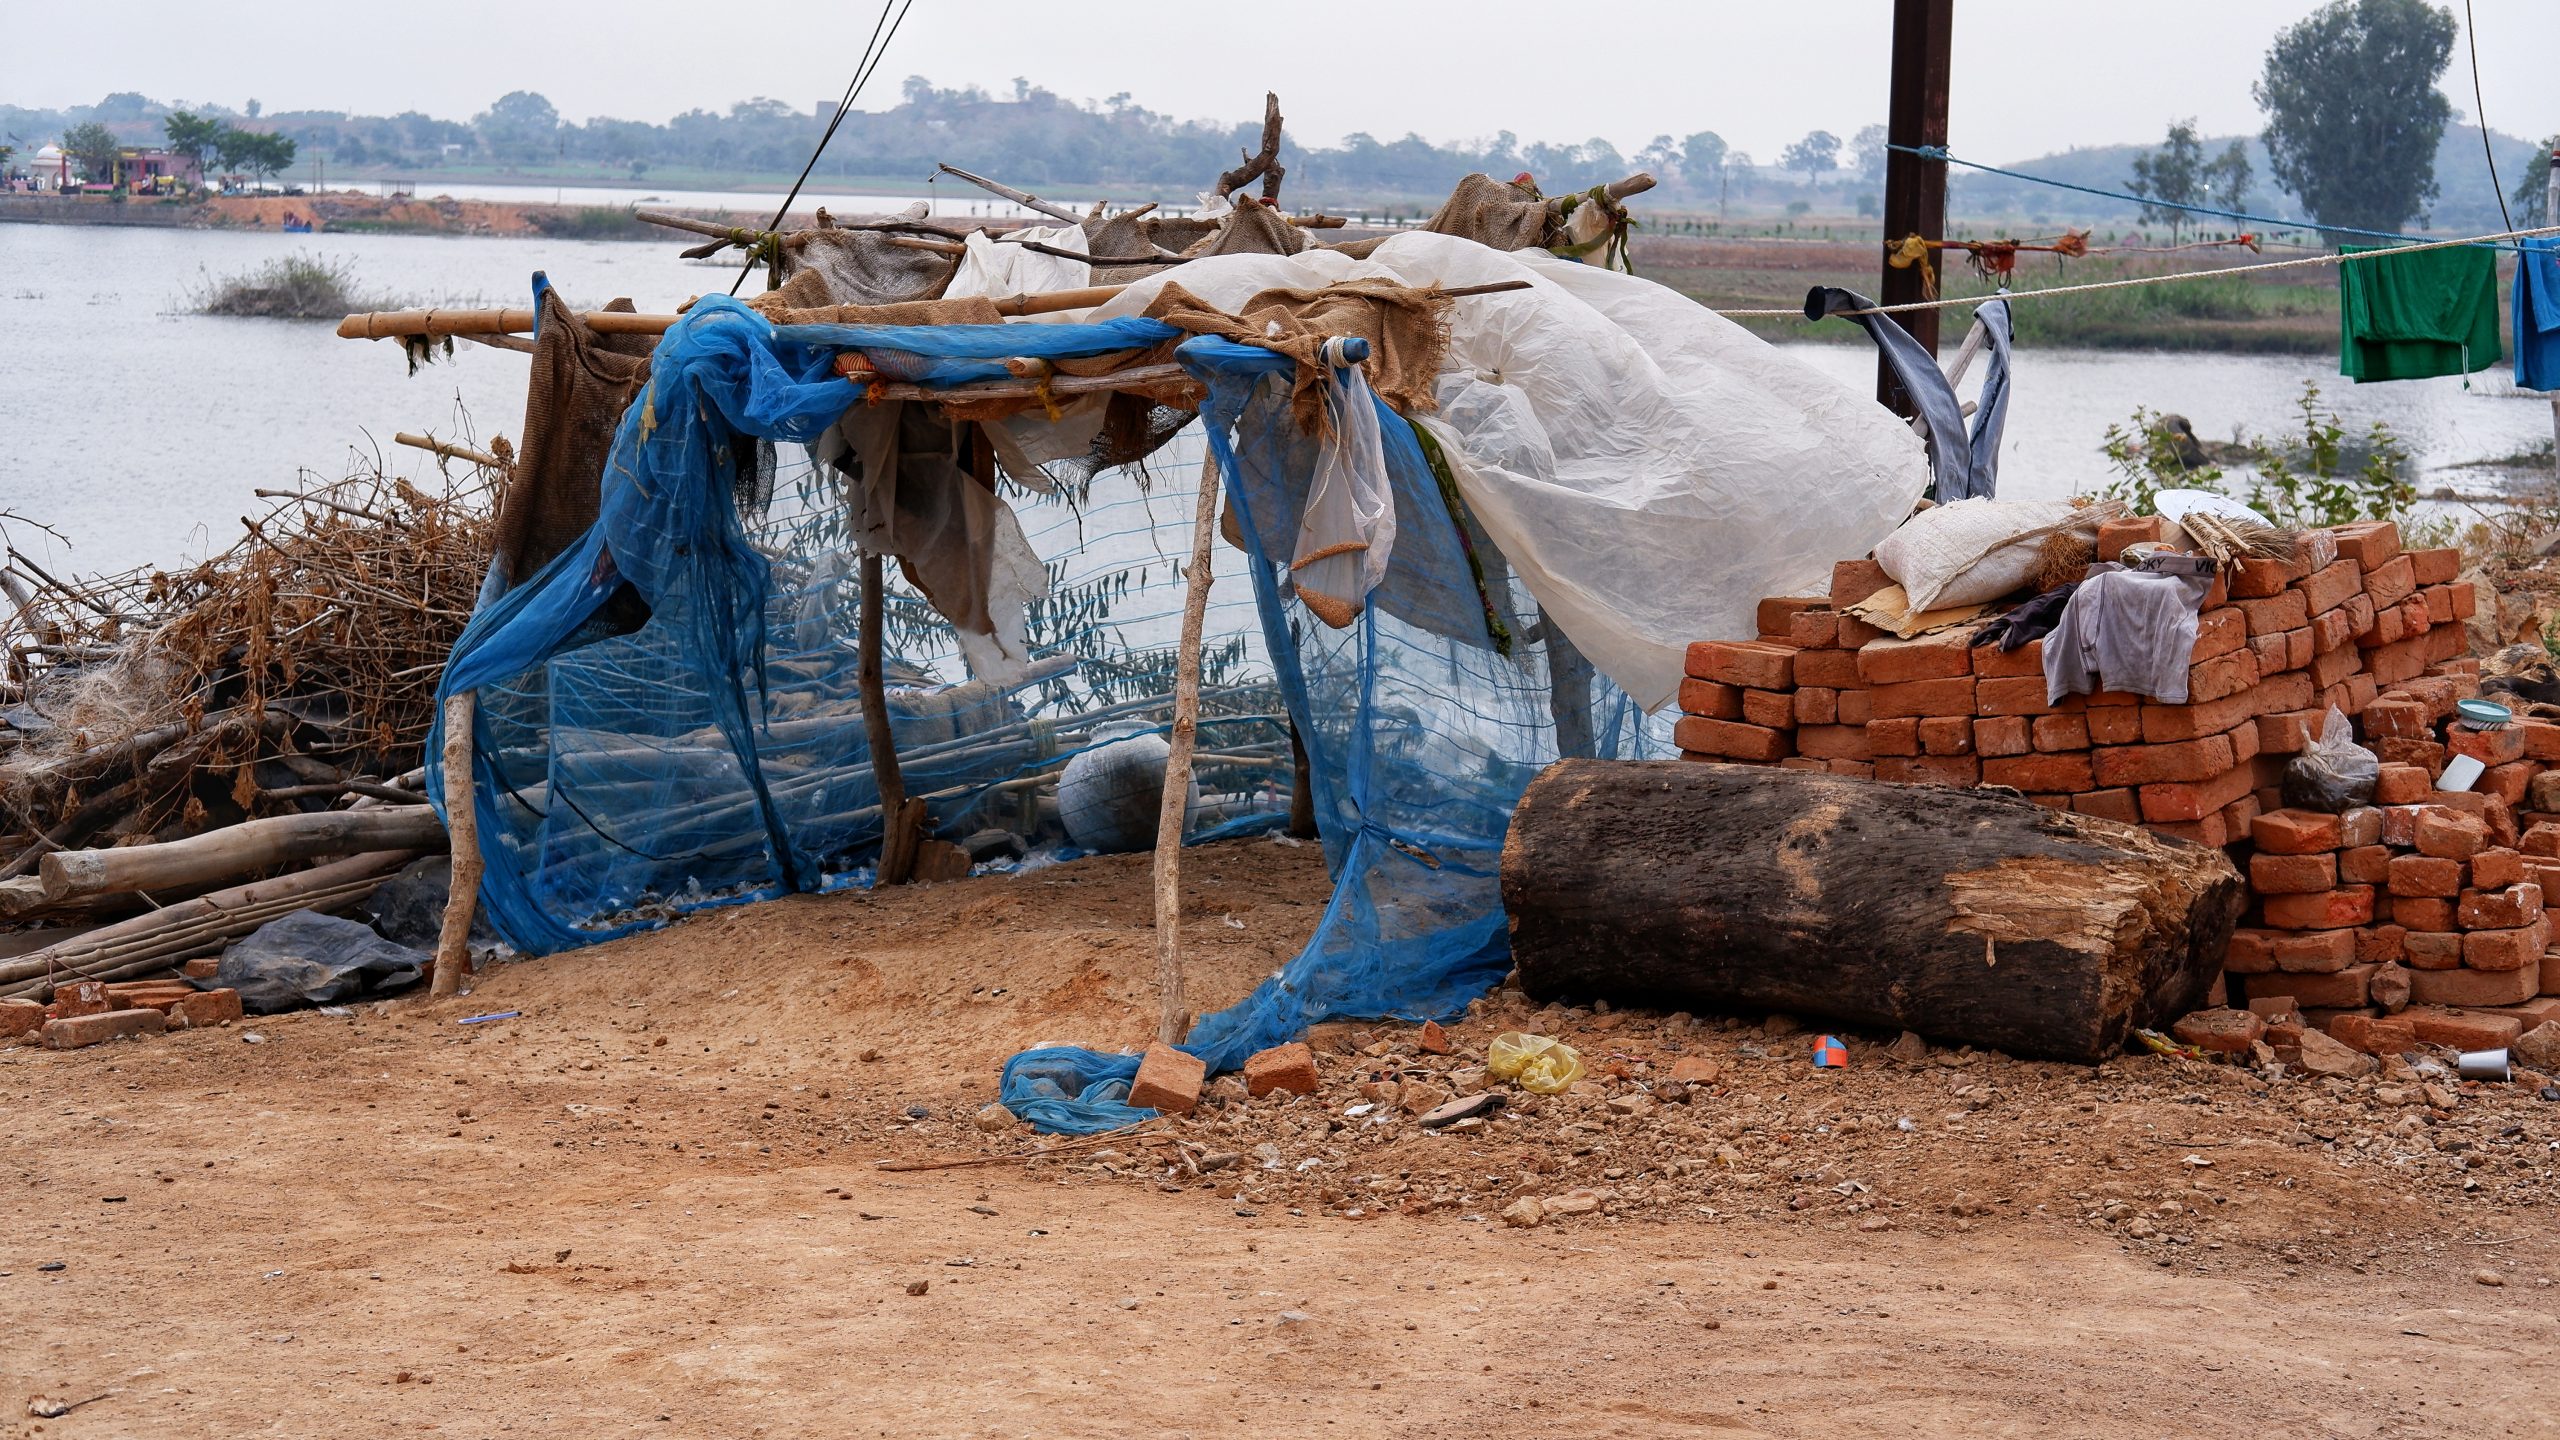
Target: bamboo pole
(462, 822)
(1172, 1021)
(384, 324)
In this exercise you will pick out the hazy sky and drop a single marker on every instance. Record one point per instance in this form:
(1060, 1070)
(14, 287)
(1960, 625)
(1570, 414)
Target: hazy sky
(2030, 75)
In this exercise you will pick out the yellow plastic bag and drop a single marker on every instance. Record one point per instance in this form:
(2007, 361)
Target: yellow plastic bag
(1533, 1062)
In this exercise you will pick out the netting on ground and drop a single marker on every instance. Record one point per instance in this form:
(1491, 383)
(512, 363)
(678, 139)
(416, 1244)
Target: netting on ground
(716, 753)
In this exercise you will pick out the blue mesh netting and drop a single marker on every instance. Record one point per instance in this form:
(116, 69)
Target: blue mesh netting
(716, 752)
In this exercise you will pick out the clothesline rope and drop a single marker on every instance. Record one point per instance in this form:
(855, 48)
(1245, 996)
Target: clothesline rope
(1939, 152)
(2170, 278)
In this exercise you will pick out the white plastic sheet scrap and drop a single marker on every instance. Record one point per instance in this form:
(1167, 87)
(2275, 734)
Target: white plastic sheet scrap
(1650, 469)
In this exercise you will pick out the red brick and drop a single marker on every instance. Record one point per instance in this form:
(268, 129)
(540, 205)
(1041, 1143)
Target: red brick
(20, 1017)
(2114, 724)
(2176, 801)
(2365, 864)
(2244, 742)
(2326, 910)
(1777, 614)
(1894, 662)
(2338, 990)
(2331, 586)
(1730, 740)
(2275, 614)
(81, 998)
(2286, 734)
(2473, 987)
(2465, 603)
(2511, 782)
(2368, 542)
(2449, 833)
(2221, 676)
(1710, 699)
(2360, 613)
(1747, 663)
(2060, 732)
(2298, 649)
(2490, 747)
(1858, 769)
(1813, 630)
(2425, 755)
(1950, 696)
(2292, 874)
(2388, 626)
(1290, 1068)
(2403, 784)
(1769, 709)
(2116, 804)
(2271, 651)
(2014, 695)
(2312, 952)
(2062, 770)
(1995, 735)
(2219, 632)
(2533, 1013)
(77, 1031)
(2507, 909)
(1992, 662)
(2397, 718)
(2251, 952)
(2373, 1034)
(1894, 737)
(2377, 944)
(2434, 567)
(1168, 1080)
(1831, 669)
(1833, 742)
(2114, 535)
(2463, 1029)
(2445, 644)
(2541, 738)
(2425, 875)
(2331, 667)
(2359, 826)
(205, 1008)
(2518, 949)
(2496, 868)
(2390, 582)
(2431, 949)
(2209, 831)
(2439, 603)
(1816, 705)
(2427, 913)
(2189, 760)
(1855, 580)
(1961, 771)
(2541, 839)
(2169, 724)
(2391, 664)
(2237, 815)
(1946, 735)
(2255, 579)
(2229, 1032)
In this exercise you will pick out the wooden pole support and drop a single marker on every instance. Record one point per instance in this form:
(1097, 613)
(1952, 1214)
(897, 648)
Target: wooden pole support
(1172, 1020)
(462, 822)
(898, 822)
(449, 450)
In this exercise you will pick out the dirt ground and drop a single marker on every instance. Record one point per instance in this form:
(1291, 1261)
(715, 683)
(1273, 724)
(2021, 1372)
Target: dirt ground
(651, 1204)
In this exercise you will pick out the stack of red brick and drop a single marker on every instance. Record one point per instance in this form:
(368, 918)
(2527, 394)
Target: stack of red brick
(2277, 644)
(2417, 920)
(89, 1012)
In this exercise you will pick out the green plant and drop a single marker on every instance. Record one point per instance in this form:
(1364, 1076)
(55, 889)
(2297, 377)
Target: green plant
(2148, 457)
(2320, 477)
(291, 287)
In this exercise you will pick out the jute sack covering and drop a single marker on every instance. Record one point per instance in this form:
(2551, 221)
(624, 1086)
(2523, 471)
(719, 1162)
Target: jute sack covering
(1407, 330)
(1490, 212)
(580, 385)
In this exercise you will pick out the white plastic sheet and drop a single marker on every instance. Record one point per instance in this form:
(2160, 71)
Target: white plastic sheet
(1650, 469)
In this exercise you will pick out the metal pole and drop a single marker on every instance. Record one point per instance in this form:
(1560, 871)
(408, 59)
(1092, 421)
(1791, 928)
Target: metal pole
(1915, 190)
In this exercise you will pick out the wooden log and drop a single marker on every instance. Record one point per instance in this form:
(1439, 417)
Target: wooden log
(462, 821)
(1172, 1020)
(237, 850)
(1969, 916)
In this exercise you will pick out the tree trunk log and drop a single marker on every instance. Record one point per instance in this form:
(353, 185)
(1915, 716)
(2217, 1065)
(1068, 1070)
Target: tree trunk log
(1967, 916)
(237, 850)
(462, 811)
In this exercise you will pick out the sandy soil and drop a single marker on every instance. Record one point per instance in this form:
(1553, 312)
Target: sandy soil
(652, 1205)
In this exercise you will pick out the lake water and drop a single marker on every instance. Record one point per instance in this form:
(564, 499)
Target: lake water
(141, 432)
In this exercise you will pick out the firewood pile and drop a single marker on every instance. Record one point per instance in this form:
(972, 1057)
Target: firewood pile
(172, 735)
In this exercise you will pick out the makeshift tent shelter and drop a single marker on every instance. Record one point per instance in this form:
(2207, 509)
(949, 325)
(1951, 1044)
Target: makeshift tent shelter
(1587, 472)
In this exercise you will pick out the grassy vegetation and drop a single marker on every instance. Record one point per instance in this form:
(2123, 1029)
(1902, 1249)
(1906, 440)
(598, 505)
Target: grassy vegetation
(293, 287)
(590, 222)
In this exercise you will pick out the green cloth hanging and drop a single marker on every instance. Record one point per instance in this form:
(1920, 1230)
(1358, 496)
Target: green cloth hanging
(2417, 314)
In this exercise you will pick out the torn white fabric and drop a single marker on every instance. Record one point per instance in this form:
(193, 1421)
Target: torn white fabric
(1650, 469)
(1347, 532)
